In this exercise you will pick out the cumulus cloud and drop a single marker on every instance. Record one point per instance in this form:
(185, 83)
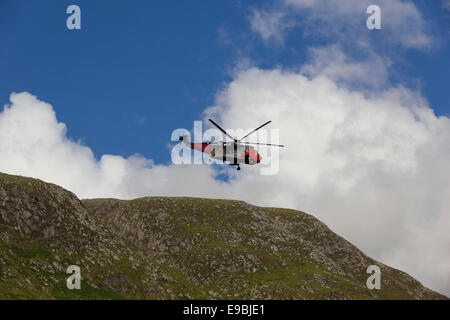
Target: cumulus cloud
(33, 143)
(345, 21)
(333, 63)
(374, 167)
(446, 4)
(270, 25)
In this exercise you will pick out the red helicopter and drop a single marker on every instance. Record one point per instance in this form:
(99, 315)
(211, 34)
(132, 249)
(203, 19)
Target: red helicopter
(234, 152)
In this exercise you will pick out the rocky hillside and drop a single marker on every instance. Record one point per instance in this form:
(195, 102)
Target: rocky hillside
(176, 248)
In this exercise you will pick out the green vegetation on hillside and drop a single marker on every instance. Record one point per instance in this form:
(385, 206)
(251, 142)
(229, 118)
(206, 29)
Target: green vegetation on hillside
(176, 248)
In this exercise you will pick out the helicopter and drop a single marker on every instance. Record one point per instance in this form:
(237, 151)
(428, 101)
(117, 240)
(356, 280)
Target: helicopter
(234, 152)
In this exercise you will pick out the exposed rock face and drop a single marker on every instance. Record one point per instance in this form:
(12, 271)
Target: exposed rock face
(176, 248)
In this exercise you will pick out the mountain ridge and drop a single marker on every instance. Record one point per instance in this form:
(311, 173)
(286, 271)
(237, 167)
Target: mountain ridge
(176, 248)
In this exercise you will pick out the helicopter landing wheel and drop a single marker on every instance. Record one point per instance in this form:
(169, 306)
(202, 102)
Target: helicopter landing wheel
(239, 168)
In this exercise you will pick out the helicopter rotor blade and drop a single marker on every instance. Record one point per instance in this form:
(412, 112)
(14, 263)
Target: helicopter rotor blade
(218, 127)
(254, 130)
(265, 144)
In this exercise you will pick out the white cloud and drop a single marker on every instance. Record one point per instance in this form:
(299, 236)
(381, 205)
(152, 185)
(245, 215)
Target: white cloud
(33, 143)
(270, 25)
(333, 63)
(446, 4)
(345, 21)
(373, 167)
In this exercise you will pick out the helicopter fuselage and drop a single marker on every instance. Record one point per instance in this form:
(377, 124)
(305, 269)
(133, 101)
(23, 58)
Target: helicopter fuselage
(234, 152)
(231, 152)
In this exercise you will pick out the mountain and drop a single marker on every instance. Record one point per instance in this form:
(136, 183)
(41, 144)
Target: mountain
(176, 248)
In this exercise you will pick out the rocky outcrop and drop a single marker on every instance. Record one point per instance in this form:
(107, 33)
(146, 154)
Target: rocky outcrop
(176, 248)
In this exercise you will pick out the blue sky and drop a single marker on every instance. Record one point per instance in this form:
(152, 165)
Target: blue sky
(137, 70)
(129, 77)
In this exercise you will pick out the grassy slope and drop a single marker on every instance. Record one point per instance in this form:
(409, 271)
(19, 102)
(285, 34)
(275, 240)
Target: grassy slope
(176, 248)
